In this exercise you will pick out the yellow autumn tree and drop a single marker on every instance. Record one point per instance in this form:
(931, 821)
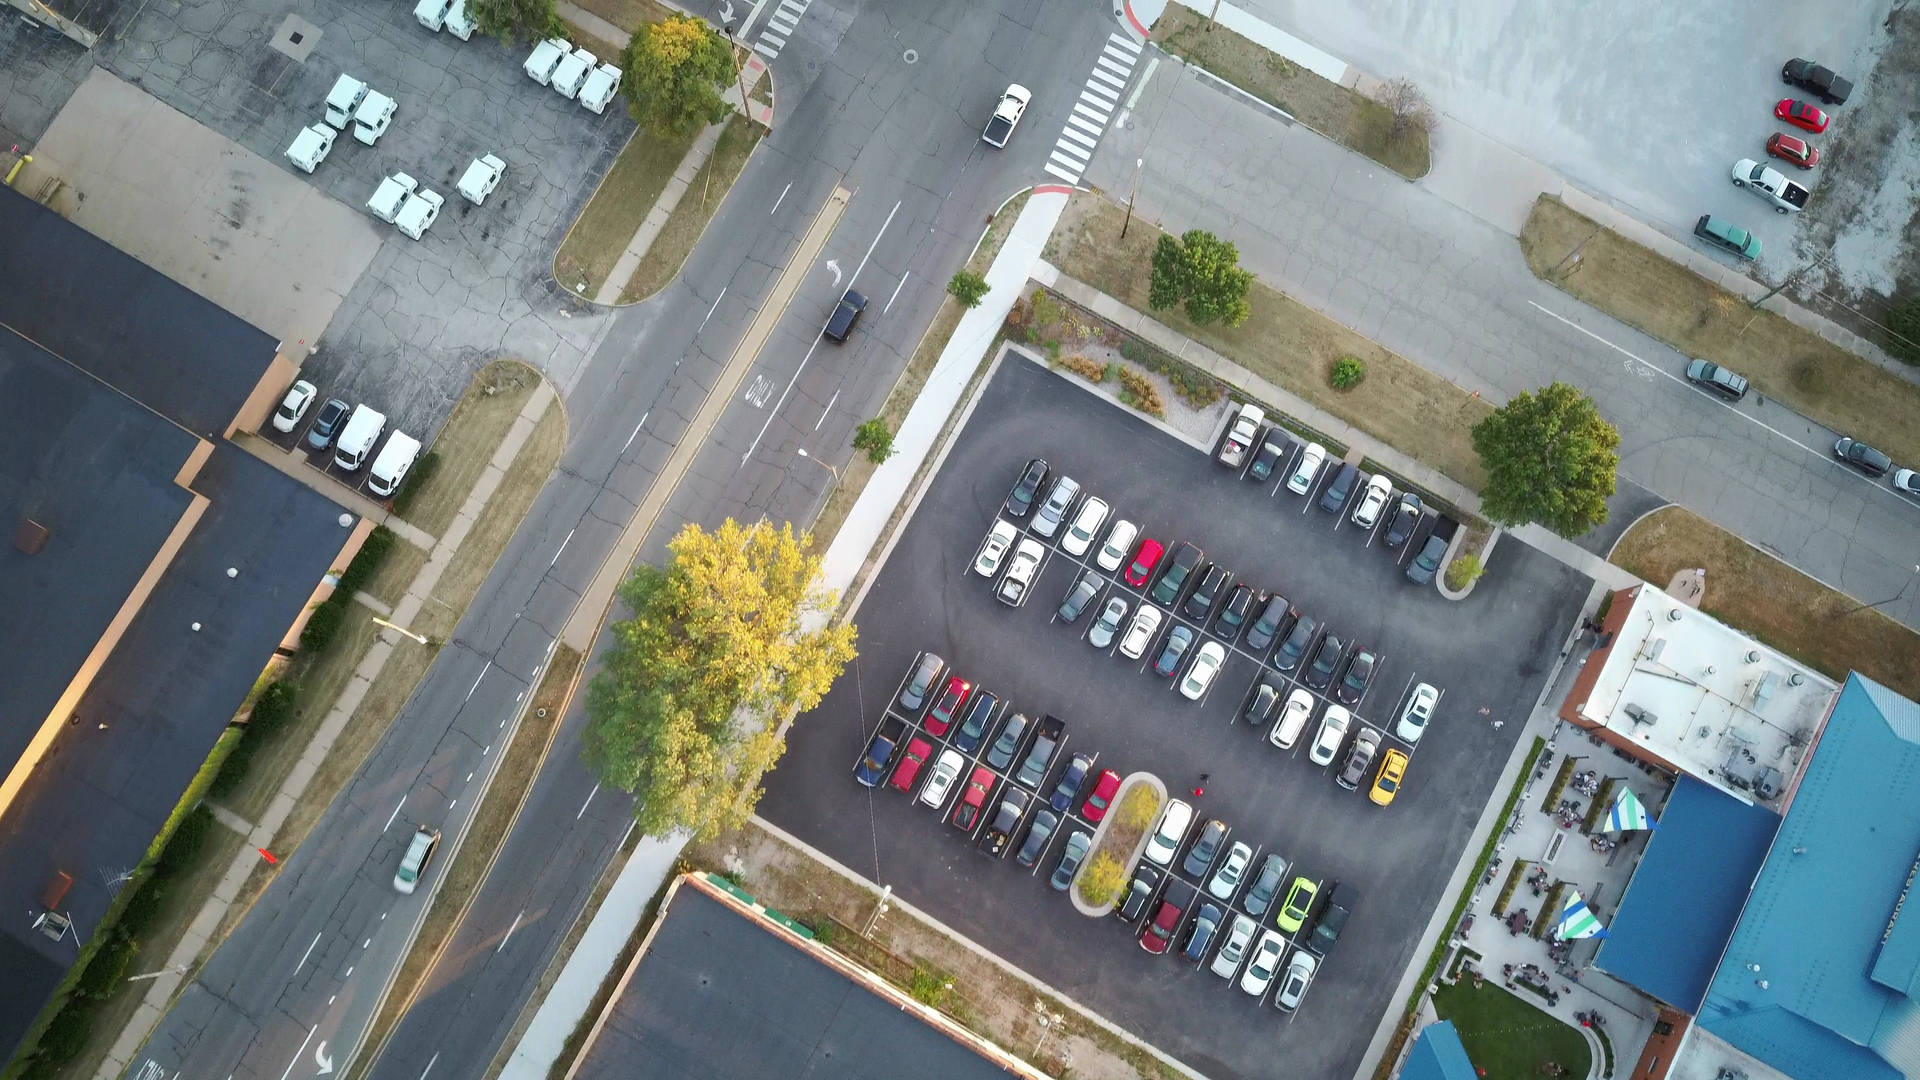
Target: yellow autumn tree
(686, 709)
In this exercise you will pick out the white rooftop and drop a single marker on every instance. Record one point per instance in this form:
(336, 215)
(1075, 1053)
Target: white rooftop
(1719, 705)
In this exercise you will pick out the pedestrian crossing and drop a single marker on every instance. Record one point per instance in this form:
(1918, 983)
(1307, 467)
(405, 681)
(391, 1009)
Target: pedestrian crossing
(773, 37)
(1099, 98)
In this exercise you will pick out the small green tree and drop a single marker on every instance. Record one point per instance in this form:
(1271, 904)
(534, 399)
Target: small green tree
(874, 438)
(1347, 373)
(509, 20)
(675, 70)
(1549, 458)
(1202, 271)
(967, 287)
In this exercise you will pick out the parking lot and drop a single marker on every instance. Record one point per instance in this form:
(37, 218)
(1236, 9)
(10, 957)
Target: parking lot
(1491, 652)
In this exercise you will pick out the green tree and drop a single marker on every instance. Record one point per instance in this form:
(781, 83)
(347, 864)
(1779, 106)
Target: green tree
(1549, 458)
(513, 19)
(967, 287)
(687, 710)
(874, 438)
(1203, 271)
(675, 70)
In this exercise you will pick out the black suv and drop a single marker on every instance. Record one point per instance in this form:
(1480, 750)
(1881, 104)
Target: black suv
(1294, 648)
(1233, 613)
(1325, 661)
(1714, 378)
(1213, 582)
(1027, 488)
(1174, 574)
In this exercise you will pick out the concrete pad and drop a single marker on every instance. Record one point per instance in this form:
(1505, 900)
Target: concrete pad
(206, 211)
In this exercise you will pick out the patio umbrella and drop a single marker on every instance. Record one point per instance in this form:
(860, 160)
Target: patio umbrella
(1577, 920)
(1628, 813)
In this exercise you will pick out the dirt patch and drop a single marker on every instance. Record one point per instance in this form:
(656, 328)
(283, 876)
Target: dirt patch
(491, 823)
(1754, 592)
(1287, 343)
(602, 231)
(1794, 366)
(960, 979)
(669, 250)
(1345, 116)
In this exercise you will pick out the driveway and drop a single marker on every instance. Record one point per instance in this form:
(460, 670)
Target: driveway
(1493, 652)
(1451, 292)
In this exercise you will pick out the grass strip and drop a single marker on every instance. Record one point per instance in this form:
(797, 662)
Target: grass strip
(1782, 360)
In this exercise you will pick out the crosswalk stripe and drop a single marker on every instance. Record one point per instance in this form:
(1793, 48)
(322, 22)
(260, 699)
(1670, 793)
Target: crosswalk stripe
(1069, 177)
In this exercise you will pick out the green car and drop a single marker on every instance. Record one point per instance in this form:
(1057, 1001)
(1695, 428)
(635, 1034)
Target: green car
(1727, 236)
(1299, 901)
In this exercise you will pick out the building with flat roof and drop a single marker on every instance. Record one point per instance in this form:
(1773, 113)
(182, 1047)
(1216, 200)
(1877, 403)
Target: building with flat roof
(723, 990)
(1684, 691)
(153, 570)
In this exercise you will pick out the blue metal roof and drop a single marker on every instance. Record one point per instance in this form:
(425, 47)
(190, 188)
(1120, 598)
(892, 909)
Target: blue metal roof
(1823, 921)
(1685, 896)
(1437, 1055)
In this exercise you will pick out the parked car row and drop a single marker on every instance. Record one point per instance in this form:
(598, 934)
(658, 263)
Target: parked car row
(1784, 195)
(350, 432)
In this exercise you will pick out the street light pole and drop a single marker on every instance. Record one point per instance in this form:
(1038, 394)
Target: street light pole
(1878, 603)
(1138, 164)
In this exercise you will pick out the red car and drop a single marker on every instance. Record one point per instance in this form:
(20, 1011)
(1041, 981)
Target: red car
(1141, 568)
(940, 717)
(1104, 786)
(966, 813)
(1800, 115)
(904, 774)
(1158, 933)
(1795, 150)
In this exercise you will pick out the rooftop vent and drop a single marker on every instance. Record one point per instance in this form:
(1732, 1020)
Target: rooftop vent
(30, 536)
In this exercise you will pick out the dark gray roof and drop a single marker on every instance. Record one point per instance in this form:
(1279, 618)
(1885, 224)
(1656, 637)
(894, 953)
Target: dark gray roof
(719, 995)
(123, 322)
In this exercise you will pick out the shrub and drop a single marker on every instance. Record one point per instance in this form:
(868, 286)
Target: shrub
(1138, 392)
(1347, 373)
(874, 438)
(967, 287)
(324, 624)
(417, 479)
(1101, 879)
(188, 840)
(1464, 571)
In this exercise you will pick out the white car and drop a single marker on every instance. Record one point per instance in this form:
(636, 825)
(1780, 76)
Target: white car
(1419, 710)
(294, 406)
(1200, 673)
(1165, 842)
(1119, 543)
(1234, 950)
(1333, 732)
(1299, 977)
(940, 780)
(1306, 468)
(1372, 501)
(1293, 718)
(1026, 559)
(993, 550)
(1086, 525)
(1140, 631)
(1266, 961)
(1226, 879)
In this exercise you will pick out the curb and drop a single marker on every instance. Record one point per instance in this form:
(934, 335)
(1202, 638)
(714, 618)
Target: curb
(1146, 779)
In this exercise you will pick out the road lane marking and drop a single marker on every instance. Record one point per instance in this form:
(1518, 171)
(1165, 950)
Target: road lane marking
(304, 955)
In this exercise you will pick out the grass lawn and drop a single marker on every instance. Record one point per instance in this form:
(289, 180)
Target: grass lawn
(615, 212)
(1344, 115)
(490, 826)
(1507, 1038)
(1287, 343)
(1794, 366)
(1757, 593)
(662, 262)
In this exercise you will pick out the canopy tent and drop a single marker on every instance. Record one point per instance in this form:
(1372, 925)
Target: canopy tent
(1577, 920)
(1628, 813)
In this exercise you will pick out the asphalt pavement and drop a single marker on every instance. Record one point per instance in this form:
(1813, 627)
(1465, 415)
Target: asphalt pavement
(889, 108)
(1431, 281)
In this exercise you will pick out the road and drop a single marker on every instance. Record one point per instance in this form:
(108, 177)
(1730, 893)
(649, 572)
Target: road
(887, 105)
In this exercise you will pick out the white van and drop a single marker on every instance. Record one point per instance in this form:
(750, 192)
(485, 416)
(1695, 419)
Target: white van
(390, 468)
(357, 438)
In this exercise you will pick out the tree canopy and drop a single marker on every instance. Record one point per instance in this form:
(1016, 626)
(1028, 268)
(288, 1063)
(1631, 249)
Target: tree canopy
(675, 70)
(687, 708)
(510, 19)
(1550, 458)
(1203, 271)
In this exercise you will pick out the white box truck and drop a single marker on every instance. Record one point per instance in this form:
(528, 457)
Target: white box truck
(390, 467)
(357, 439)
(343, 99)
